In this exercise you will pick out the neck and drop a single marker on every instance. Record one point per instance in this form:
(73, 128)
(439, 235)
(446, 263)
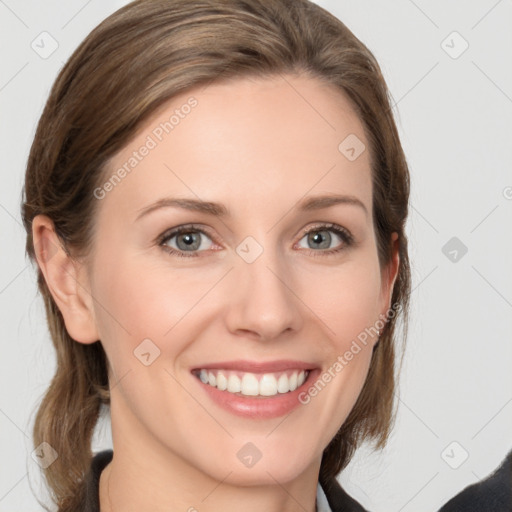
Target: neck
(125, 486)
(146, 476)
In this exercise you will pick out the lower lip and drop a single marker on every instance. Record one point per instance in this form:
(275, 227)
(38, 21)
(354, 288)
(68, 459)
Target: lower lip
(260, 407)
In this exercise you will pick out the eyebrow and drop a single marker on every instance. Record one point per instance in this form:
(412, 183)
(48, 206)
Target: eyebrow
(219, 210)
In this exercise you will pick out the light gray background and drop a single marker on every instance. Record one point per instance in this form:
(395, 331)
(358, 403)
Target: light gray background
(455, 121)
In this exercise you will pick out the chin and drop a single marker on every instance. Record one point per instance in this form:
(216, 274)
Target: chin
(273, 465)
(261, 476)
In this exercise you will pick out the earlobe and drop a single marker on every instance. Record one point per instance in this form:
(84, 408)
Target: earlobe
(64, 278)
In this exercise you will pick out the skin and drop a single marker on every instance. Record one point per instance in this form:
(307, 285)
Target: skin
(256, 146)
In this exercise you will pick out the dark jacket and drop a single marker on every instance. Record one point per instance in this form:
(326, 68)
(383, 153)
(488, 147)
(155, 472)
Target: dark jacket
(494, 494)
(338, 499)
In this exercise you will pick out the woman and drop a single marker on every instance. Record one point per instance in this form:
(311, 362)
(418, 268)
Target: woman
(216, 199)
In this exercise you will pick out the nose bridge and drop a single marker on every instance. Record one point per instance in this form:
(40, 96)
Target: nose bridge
(263, 301)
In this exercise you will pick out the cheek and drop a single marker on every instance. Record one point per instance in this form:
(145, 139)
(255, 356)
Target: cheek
(138, 302)
(132, 306)
(142, 300)
(345, 298)
(347, 302)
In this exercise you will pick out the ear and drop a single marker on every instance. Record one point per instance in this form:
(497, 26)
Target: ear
(67, 281)
(389, 275)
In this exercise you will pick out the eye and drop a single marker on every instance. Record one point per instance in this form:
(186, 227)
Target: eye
(185, 239)
(322, 237)
(190, 241)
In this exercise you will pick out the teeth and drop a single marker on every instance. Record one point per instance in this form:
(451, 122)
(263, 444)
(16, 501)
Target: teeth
(268, 385)
(222, 382)
(283, 384)
(234, 384)
(251, 384)
(293, 381)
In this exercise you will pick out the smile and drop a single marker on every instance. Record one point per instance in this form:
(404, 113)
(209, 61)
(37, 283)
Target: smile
(253, 384)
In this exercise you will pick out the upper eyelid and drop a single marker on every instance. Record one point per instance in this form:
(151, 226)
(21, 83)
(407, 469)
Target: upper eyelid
(172, 232)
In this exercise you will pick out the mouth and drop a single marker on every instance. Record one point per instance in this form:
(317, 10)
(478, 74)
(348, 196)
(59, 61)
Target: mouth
(253, 384)
(256, 390)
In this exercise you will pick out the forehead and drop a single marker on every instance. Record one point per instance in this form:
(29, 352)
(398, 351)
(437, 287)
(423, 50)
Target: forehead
(251, 141)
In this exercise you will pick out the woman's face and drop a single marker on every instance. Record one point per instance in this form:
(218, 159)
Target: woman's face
(244, 292)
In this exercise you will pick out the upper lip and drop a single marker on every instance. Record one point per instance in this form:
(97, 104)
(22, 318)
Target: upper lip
(257, 366)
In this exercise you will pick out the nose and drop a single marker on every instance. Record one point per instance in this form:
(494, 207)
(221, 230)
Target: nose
(263, 303)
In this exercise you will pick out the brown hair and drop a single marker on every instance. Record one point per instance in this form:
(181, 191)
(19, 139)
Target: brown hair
(131, 64)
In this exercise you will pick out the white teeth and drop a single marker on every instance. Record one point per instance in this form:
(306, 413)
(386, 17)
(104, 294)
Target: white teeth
(222, 382)
(283, 384)
(250, 384)
(234, 384)
(268, 385)
(293, 381)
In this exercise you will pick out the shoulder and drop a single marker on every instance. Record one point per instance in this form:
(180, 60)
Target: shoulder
(337, 497)
(494, 494)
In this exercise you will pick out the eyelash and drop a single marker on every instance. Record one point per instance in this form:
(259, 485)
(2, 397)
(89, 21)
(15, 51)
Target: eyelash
(344, 234)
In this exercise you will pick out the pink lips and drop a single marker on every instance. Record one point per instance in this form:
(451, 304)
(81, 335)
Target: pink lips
(257, 407)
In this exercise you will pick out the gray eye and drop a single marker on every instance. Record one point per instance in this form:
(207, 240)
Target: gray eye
(189, 241)
(319, 239)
